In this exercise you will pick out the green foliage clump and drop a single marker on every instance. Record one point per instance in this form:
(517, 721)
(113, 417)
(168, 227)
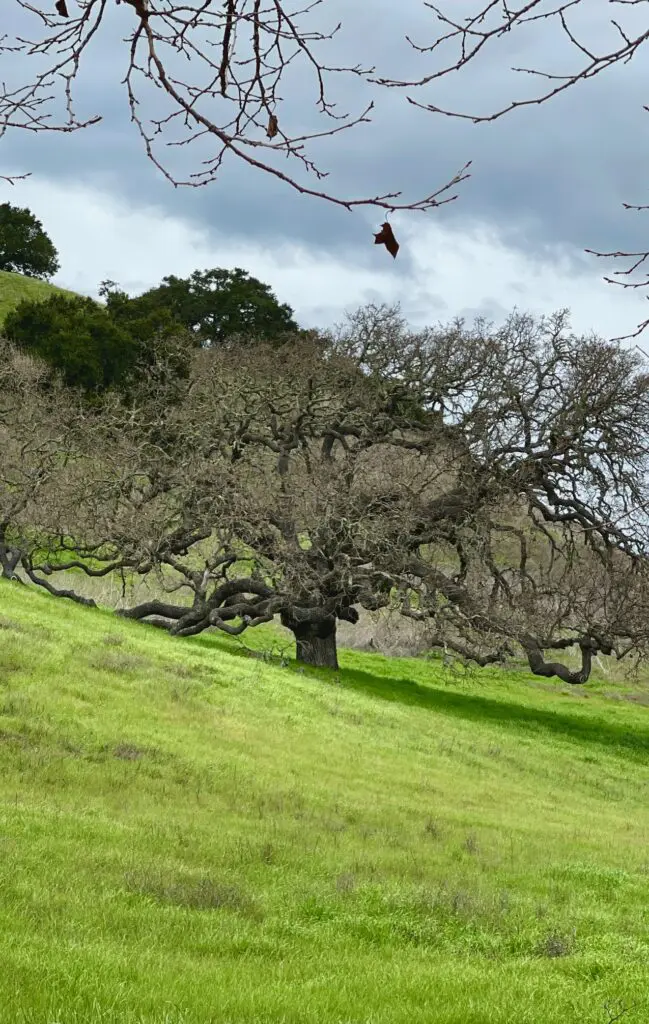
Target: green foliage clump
(213, 305)
(16, 288)
(25, 248)
(74, 335)
(100, 346)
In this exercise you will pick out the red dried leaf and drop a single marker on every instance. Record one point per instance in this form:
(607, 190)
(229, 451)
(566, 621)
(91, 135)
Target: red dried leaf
(386, 237)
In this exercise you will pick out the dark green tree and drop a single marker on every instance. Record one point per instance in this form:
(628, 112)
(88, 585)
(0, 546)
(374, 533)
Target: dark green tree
(213, 304)
(76, 336)
(25, 248)
(144, 321)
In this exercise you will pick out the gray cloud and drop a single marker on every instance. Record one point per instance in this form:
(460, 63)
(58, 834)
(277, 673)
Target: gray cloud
(544, 176)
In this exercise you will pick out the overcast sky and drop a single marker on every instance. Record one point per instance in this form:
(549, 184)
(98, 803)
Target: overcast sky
(546, 183)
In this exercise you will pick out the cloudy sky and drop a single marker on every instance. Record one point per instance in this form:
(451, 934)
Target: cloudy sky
(546, 181)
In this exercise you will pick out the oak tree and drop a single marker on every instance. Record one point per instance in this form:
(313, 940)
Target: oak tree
(25, 248)
(490, 482)
(213, 305)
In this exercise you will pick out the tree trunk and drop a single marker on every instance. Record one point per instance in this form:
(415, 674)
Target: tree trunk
(9, 559)
(315, 642)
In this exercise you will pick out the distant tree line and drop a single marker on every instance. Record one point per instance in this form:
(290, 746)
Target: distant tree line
(97, 346)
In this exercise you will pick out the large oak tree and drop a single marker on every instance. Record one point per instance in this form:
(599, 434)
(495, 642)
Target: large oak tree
(489, 482)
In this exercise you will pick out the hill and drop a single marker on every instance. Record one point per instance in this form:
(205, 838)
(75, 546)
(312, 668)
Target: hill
(14, 288)
(192, 834)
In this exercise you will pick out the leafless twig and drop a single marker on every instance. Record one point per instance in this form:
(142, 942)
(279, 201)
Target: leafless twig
(219, 68)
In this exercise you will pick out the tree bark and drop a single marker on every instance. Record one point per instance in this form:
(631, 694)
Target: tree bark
(9, 559)
(315, 642)
(541, 667)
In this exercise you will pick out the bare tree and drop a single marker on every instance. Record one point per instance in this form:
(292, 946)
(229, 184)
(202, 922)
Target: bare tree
(39, 421)
(219, 67)
(489, 482)
(288, 460)
(541, 542)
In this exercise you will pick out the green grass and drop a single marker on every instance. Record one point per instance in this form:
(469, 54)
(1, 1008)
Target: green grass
(189, 834)
(14, 288)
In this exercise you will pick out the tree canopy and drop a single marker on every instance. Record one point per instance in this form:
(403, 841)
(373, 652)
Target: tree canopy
(490, 483)
(76, 336)
(25, 248)
(98, 346)
(213, 305)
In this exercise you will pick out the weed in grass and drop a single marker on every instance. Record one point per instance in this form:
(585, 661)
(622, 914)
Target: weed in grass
(17, 738)
(127, 752)
(555, 944)
(335, 826)
(336, 711)
(471, 844)
(504, 902)
(201, 893)
(267, 854)
(118, 662)
(433, 829)
(13, 652)
(113, 640)
(460, 903)
(9, 624)
(346, 882)
(184, 671)
(16, 705)
(615, 1010)
(10, 661)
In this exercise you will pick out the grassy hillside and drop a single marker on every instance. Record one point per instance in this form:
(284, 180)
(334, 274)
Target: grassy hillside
(190, 834)
(14, 288)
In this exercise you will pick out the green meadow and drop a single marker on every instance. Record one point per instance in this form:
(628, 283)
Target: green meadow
(192, 831)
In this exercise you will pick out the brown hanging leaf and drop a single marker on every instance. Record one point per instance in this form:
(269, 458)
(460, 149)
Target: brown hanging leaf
(273, 127)
(386, 237)
(61, 8)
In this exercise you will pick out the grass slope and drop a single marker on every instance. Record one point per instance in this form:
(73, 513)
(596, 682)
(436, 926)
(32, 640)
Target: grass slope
(188, 835)
(14, 288)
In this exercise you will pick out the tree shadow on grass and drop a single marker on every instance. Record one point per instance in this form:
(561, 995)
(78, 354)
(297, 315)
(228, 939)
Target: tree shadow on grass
(588, 729)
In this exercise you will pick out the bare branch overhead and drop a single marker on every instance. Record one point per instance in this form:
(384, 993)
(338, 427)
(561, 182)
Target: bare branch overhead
(226, 72)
